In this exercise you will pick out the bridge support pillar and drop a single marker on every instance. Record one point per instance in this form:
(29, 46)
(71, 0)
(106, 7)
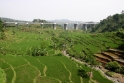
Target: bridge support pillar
(75, 26)
(86, 26)
(41, 25)
(27, 24)
(54, 26)
(65, 26)
(82, 26)
(4, 25)
(16, 24)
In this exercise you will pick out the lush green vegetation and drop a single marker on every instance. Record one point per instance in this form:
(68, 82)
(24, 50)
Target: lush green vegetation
(111, 23)
(1, 25)
(52, 69)
(2, 76)
(115, 67)
(29, 54)
(34, 53)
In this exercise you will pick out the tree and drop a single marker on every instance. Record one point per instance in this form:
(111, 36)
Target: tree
(2, 35)
(113, 66)
(122, 12)
(111, 23)
(1, 25)
(82, 73)
(39, 20)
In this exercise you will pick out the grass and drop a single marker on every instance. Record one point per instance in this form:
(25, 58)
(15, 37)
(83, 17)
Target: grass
(14, 60)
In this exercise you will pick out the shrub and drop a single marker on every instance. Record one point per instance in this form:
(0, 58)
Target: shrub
(82, 73)
(120, 34)
(2, 34)
(59, 54)
(110, 73)
(1, 26)
(37, 51)
(113, 66)
(122, 70)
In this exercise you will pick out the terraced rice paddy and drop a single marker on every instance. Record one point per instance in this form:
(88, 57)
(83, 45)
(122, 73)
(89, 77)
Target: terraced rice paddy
(46, 69)
(111, 55)
(22, 61)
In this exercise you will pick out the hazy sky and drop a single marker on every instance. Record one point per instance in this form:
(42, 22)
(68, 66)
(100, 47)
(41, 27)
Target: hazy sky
(79, 10)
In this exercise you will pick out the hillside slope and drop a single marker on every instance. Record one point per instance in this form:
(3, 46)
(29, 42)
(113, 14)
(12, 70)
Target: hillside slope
(10, 20)
(111, 23)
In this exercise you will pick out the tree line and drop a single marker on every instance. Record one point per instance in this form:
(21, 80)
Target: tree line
(111, 23)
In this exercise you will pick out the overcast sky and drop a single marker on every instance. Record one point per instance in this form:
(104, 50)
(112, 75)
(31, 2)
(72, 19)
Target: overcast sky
(79, 10)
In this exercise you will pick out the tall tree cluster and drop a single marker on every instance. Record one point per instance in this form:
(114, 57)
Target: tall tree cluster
(39, 21)
(1, 25)
(2, 34)
(111, 23)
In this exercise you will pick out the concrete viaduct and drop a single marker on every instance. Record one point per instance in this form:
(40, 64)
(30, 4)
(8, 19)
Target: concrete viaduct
(84, 24)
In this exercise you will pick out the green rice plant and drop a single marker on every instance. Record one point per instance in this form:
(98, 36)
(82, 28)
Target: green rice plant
(46, 80)
(25, 74)
(78, 48)
(55, 69)
(9, 75)
(3, 65)
(51, 52)
(70, 65)
(14, 60)
(34, 61)
(97, 76)
(2, 76)
(59, 69)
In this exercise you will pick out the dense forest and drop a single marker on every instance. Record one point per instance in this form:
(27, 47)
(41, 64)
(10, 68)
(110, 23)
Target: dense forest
(111, 23)
(11, 20)
(0, 24)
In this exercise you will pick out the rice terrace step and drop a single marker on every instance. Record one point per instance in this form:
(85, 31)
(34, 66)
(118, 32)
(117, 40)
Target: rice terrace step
(111, 55)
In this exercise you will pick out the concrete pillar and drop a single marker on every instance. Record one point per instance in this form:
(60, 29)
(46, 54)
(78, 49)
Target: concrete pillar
(75, 26)
(93, 25)
(4, 25)
(86, 26)
(27, 24)
(16, 24)
(83, 26)
(65, 26)
(54, 26)
(41, 25)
